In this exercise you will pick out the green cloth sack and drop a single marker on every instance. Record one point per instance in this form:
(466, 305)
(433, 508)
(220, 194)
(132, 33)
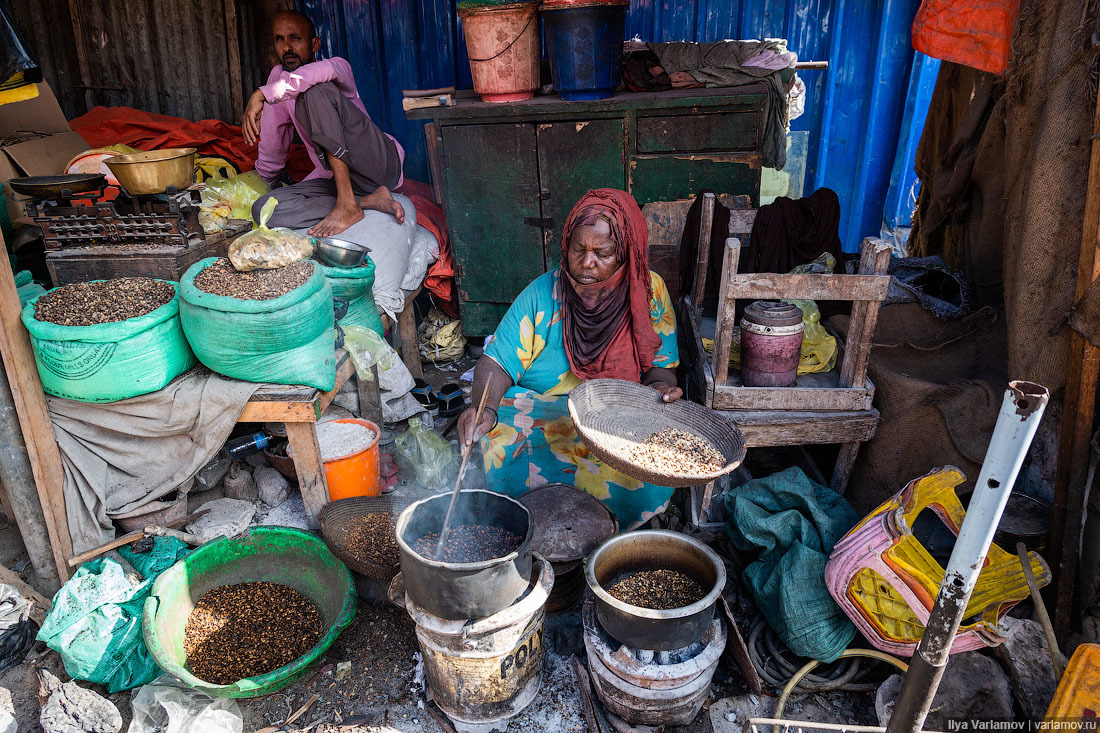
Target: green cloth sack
(286, 340)
(107, 362)
(793, 523)
(95, 620)
(357, 285)
(26, 288)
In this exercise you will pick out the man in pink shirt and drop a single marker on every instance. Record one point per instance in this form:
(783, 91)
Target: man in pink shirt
(355, 164)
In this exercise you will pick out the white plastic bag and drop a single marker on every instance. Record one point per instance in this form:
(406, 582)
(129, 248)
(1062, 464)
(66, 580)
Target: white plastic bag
(165, 705)
(394, 380)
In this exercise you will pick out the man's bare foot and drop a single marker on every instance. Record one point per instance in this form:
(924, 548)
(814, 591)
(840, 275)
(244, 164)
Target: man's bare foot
(382, 200)
(340, 218)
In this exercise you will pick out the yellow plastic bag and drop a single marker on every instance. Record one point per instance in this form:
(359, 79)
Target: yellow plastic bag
(237, 194)
(440, 338)
(268, 249)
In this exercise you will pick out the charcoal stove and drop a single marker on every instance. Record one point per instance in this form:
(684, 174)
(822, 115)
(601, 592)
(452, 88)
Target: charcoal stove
(88, 219)
(651, 687)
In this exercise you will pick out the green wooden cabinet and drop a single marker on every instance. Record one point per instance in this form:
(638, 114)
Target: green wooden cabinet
(510, 173)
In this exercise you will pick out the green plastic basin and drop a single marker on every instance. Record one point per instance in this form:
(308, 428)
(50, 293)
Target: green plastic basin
(275, 554)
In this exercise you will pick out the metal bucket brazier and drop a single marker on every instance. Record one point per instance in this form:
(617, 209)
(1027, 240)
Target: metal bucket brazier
(465, 590)
(654, 549)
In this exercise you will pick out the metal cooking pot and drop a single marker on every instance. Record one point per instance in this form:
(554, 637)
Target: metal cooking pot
(465, 590)
(49, 187)
(154, 171)
(654, 549)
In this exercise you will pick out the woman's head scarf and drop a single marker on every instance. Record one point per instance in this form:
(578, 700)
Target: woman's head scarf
(608, 330)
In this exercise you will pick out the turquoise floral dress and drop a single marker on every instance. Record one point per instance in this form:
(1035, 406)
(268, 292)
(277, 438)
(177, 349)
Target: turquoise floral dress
(534, 442)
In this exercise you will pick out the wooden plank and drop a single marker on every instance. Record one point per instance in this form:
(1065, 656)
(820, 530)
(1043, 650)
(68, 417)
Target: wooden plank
(875, 260)
(370, 397)
(40, 605)
(302, 437)
(727, 312)
(130, 537)
(296, 404)
(233, 52)
(34, 420)
(844, 399)
(742, 221)
(766, 285)
(407, 344)
(842, 470)
(702, 254)
(285, 412)
(765, 428)
(435, 166)
(1079, 401)
(344, 371)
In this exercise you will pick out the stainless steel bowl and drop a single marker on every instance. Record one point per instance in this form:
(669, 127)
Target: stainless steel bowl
(340, 252)
(654, 549)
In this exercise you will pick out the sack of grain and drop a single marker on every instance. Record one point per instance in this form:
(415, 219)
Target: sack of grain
(107, 340)
(261, 326)
(356, 284)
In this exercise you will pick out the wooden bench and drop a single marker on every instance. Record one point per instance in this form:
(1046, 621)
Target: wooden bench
(821, 409)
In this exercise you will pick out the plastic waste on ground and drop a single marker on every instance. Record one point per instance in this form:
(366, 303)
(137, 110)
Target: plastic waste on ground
(427, 452)
(166, 705)
(268, 249)
(95, 621)
(17, 631)
(439, 338)
(107, 362)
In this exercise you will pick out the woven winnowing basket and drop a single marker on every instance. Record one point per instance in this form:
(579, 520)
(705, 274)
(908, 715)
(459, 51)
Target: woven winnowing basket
(335, 519)
(612, 416)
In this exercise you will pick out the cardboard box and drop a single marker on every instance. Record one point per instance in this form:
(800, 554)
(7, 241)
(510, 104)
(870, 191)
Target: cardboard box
(37, 142)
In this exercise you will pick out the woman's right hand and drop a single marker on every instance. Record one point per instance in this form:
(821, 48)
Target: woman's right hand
(468, 432)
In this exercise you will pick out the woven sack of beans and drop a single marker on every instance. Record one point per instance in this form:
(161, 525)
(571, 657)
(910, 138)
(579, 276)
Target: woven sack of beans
(106, 362)
(356, 284)
(287, 339)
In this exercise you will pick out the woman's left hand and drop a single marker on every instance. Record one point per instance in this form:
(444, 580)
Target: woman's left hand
(668, 392)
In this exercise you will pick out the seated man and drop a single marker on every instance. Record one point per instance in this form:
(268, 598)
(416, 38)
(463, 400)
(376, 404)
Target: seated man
(355, 164)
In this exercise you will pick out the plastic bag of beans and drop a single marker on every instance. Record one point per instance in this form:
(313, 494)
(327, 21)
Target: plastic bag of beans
(105, 361)
(244, 326)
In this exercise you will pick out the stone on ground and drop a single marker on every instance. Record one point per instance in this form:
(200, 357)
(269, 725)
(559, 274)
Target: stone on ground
(226, 518)
(7, 712)
(1024, 654)
(272, 486)
(69, 708)
(974, 687)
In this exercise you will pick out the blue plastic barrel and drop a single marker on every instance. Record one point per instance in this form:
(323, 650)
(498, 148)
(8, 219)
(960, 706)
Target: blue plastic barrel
(585, 45)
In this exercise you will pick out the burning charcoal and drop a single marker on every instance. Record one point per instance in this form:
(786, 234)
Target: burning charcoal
(469, 543)
(657, 589)
(242, 630)
(674, 452)
(221, 279)
(105, 301)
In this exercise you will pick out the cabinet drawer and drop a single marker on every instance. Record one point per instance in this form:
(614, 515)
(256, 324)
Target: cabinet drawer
(700, 132)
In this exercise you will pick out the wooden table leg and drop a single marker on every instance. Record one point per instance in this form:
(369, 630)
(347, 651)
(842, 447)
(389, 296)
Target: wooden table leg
(406, 339)
(370, 397)
(302, 437)
(845, 461)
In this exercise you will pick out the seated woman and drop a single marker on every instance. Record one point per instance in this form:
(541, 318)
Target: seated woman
(602, 314)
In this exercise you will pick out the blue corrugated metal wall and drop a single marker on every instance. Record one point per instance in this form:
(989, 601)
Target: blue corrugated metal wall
(854, 112)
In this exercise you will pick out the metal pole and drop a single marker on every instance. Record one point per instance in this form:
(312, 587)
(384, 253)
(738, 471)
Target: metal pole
(1021, 411)
(15, 472)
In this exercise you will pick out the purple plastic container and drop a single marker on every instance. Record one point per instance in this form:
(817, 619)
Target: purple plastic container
(771, 340)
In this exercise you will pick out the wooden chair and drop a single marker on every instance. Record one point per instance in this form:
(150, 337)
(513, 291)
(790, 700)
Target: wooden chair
(822, 408)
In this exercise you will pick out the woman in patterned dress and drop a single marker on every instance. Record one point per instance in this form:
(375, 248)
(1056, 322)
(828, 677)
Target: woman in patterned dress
(601, 314)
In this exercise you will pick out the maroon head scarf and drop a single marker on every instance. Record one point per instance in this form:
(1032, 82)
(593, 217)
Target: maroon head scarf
(608, 330)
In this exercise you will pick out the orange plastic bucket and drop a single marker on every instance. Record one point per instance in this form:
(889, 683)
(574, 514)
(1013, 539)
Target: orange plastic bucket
(355, 474)
(502, 42)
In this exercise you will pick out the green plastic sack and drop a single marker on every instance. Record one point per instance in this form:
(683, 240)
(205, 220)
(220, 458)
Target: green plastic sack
(107, 362)
(793, 523)
(26, 288)
(357, 285)
(96, 617)
(285, 340)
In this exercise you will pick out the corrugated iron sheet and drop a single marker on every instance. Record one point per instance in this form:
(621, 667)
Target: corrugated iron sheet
(854, 109)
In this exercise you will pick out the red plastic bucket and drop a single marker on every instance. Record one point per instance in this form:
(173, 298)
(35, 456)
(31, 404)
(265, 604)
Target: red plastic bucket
(502, 42)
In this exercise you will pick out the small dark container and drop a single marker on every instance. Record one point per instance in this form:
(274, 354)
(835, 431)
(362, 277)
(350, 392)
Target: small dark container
(771, 340)
(471, 590)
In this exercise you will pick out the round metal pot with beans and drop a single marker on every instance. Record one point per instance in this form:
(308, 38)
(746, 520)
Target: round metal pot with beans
(654, 549)
(465, 590)
(771, 343)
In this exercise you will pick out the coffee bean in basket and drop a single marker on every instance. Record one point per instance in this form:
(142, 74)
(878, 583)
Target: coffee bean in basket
(657, 589)
(372, 538)
(247, 629)
(469, 543)
(104, 301)
(675, 452)
(220, 278)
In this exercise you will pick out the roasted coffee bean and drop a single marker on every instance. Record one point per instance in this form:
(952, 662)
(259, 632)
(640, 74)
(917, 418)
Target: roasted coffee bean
(372, 538)
(469, 543)
(105, 301)
(674, 452)
(242, 630)
(221, 279)
(658, 589)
